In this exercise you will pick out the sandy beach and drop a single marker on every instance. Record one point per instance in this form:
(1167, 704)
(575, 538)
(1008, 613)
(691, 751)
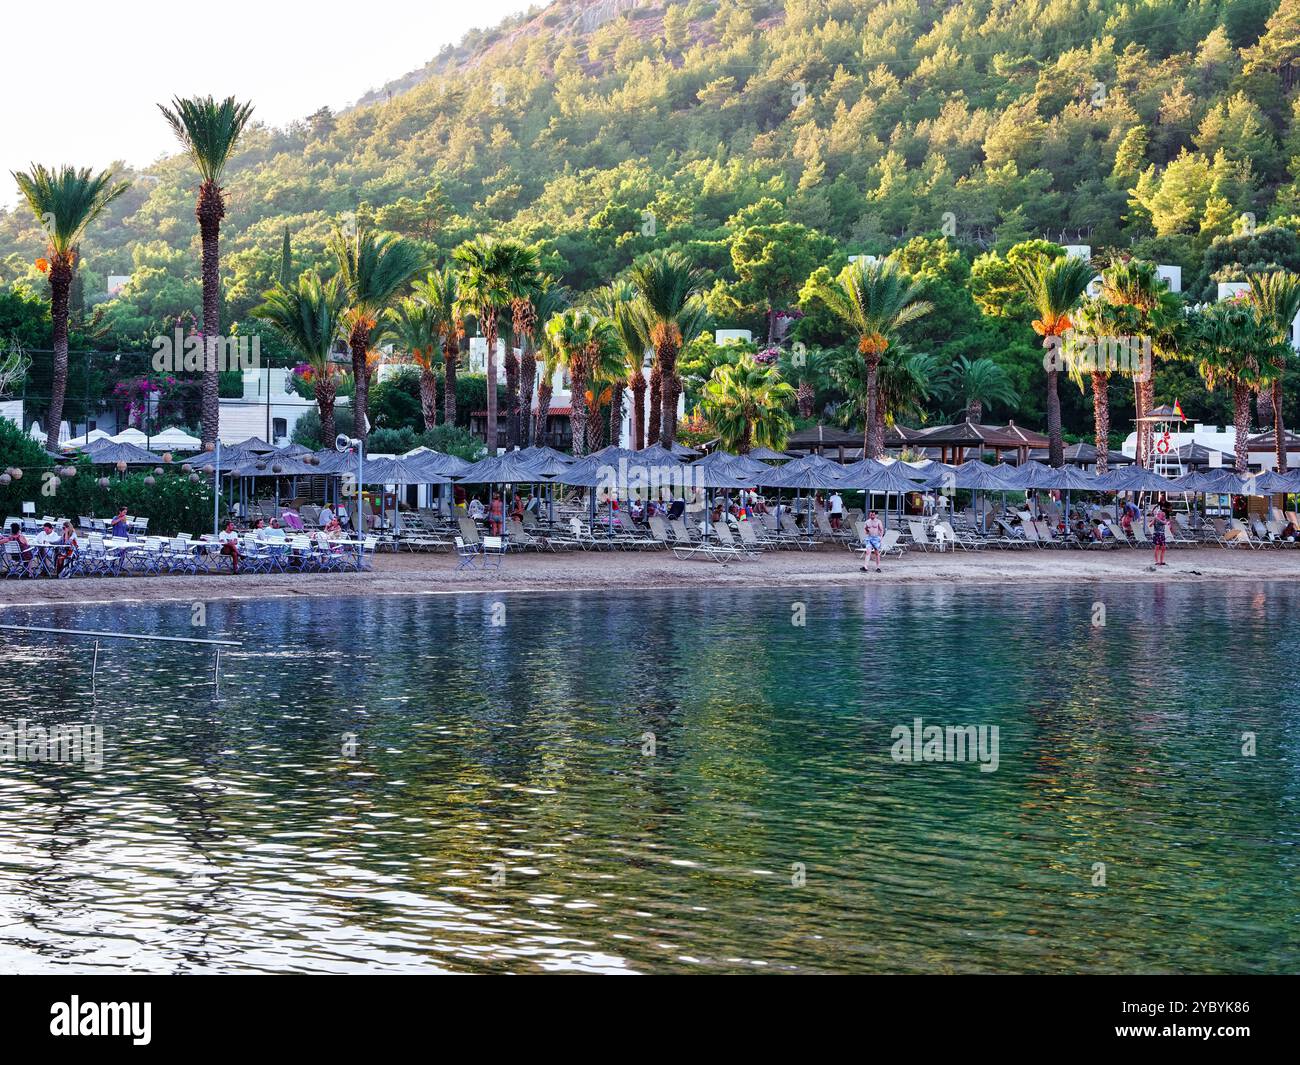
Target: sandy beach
(435, 574)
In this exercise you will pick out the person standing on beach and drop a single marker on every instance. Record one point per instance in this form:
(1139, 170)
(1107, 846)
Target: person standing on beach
(1159, 523)
(875, 534)
(837, 509)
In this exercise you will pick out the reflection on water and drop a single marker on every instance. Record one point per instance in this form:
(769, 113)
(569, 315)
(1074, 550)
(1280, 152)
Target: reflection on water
(499, 813)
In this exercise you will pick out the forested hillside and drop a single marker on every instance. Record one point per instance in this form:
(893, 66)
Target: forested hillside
(601, 130)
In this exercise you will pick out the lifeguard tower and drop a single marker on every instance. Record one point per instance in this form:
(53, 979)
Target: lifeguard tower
(1164, 422)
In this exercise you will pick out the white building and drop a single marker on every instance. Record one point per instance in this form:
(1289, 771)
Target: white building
(269, 408)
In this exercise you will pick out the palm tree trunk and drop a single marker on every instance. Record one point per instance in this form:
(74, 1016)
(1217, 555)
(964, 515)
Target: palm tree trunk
(1241, 419)
(450, 356)
(870, 448)
(1101, 417)
(527, 378)
(656, 402)
(974, 411)
(1055, 441)
(638, 410)
(512, 396)
(210, 210)
(490, 335)
(428, 395)
(60, 287)
(616, 414)
(578, 419)
(1279, 449)
(595, 430)
(325, 393)
(543, 412)
(359, 344)
(1146, 431)
(805, 398)
(671, 388)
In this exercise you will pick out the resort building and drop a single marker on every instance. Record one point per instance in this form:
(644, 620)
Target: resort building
(269, 408)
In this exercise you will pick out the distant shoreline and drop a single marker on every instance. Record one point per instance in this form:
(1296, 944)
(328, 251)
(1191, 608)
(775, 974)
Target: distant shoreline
(577, 571)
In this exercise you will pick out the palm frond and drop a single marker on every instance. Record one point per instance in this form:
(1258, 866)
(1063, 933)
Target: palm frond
(208, 130)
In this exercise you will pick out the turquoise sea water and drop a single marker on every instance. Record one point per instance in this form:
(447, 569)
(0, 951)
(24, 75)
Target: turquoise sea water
(402, 785)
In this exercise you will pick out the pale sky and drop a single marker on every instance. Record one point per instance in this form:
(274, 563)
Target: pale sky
(93, 100)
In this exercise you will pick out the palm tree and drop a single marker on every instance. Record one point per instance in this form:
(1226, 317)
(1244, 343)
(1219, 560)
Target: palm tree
(493, 274)
(546, 299)
(1235, 346)
(1276, 297)
(549, 357)
(441, 292)
(618, 303)
(65, 201)
(414, 327)
(1134, 303)
(875, 300)
(585, 342)
(747, 405)
(373, 268)
(1054, 288)
(905, 381)
(807, 371)
(672, 307)
(209, 130)
(975, 384)
(309, 317)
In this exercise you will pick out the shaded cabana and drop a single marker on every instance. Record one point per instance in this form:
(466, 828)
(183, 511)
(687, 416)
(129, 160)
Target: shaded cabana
(819, 437)
(110, 453)
(954, 441)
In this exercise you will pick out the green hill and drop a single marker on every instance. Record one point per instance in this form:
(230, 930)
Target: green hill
(600, 130)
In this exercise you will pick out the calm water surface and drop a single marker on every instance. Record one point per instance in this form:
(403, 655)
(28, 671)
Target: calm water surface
(499, 813)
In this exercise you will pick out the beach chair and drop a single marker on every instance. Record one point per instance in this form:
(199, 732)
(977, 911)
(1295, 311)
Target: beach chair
(749, 537)
(727, 540)
(890, 544)
(494, 553)
(659, 530)
(920, 537)
(965, 539)
(14, 564)
(826, 531)
(469, 531)
(467, 555)
(792, 532)
(1262, 535)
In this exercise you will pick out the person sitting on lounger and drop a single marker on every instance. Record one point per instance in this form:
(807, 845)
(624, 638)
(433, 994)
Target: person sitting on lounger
(875, 534)
(517, 509)
(476, 509)
(66, 547)
(16, 537)
(229, 540)
(676, 509)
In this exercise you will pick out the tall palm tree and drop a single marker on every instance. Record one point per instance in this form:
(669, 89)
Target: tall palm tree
(1235, 346)
(1053, 288)
(619, 304)
(1276, 297)
(373, 269)
(875, 300)
(672, 306)
(209, 131)
(548, 355)
(975, 384)
(65, 201)
(546, 297)
(1135, 303)
(309, 316)
(584, 341)
(748, 405)
(493, 274)
(414, 328)
(441, 292)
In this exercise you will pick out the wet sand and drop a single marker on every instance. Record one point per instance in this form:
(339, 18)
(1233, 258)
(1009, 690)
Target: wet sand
(435, 574)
